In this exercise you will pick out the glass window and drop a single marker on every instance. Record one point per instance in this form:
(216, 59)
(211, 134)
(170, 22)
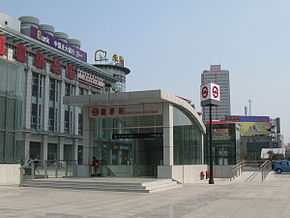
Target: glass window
(33, 116)
(80, 154)
(11, 108)
(69, 89)
(51, 119)
(52, 89)
(52, 151)
(187, 139)
(80, 126)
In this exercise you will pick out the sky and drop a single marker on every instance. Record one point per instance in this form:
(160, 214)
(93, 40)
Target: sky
(168, 43)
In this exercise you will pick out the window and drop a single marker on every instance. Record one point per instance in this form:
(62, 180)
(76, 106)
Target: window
(36, 101)
(187, 139)
(37, 85)
(69, 89)
(54, 104)
(33, 116)
(52, 89)
(80, 154)
(80, 123)
(51, 119)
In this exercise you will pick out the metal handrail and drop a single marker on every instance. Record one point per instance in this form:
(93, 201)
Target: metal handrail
(42, 168)
(237, 170)
(265, 169)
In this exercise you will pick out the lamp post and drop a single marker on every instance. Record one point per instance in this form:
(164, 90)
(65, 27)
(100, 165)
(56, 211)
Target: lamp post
(211, 180)
(210, 96)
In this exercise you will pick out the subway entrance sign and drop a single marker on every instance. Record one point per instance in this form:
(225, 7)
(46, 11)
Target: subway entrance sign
(209, 94)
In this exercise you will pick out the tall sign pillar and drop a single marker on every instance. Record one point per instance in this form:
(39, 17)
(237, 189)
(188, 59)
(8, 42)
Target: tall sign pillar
(210, 96)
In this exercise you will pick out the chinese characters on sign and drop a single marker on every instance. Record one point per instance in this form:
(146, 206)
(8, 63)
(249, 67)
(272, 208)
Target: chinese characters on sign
(56, 66)
(70, 71)
(39, 60)
(118, 59)
(112, 111)
(90, 79)
(2, 45)
(21, 53)
(58, 44)
(101, 55)
(125, 111)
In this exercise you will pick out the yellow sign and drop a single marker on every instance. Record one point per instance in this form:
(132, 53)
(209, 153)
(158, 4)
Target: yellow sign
(101, 55)
(118, 59)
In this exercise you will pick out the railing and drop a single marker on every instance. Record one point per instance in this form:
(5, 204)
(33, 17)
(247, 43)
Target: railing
(237, 170)
(265, 169)
(48, 168)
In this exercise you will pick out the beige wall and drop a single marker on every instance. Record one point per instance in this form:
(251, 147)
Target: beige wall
(182, 173)
(10, 174)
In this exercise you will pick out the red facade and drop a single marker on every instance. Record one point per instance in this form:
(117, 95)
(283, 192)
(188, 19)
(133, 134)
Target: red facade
(2, 45)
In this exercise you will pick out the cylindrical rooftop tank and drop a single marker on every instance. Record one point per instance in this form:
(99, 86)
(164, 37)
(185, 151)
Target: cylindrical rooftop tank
(27, 22)
(61, 36)
(49, 29)
(75, 43)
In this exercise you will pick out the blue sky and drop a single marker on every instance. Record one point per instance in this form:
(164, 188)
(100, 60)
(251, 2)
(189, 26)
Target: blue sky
(168, 43)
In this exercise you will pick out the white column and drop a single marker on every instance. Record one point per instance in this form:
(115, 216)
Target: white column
(44, 148)
(86, 136)
(167, 134)
(46, 103)
(60, 148)
(75, 148)
(26, 145)
(28, 99)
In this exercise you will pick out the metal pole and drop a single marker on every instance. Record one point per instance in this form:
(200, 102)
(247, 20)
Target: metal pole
(211, 180)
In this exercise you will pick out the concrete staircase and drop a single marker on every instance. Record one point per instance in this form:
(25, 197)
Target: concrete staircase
(103, 184)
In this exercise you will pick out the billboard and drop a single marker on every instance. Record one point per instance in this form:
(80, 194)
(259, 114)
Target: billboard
(221, 134)
(255, 128)
(237, 118)
(58, 44)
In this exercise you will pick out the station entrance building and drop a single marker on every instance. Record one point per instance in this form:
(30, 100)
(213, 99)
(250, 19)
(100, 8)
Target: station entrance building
(143, 133)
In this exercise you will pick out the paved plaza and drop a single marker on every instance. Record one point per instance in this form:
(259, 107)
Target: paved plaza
(241, 198)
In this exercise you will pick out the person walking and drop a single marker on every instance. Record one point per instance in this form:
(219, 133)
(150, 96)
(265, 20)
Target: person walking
(95, 166)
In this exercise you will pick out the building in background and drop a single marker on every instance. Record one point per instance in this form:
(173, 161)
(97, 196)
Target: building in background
(220, 77)
(257, 132)
(38, 68)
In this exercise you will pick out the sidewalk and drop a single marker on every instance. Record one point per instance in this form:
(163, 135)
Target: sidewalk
(222, 200)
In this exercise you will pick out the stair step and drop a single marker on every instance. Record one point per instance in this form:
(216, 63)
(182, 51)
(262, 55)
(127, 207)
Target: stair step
(142, 187)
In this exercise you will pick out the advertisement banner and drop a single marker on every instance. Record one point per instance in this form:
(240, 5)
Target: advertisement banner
(221, 134)
(255, 128)
(237, 118)
(90, 79)
(58, 44)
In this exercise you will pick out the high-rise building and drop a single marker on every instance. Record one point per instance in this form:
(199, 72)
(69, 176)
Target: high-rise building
(220, 77)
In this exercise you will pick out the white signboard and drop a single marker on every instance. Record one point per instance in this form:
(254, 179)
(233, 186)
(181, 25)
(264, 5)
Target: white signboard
(127, 110)
(210, 93)
(90, 79)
